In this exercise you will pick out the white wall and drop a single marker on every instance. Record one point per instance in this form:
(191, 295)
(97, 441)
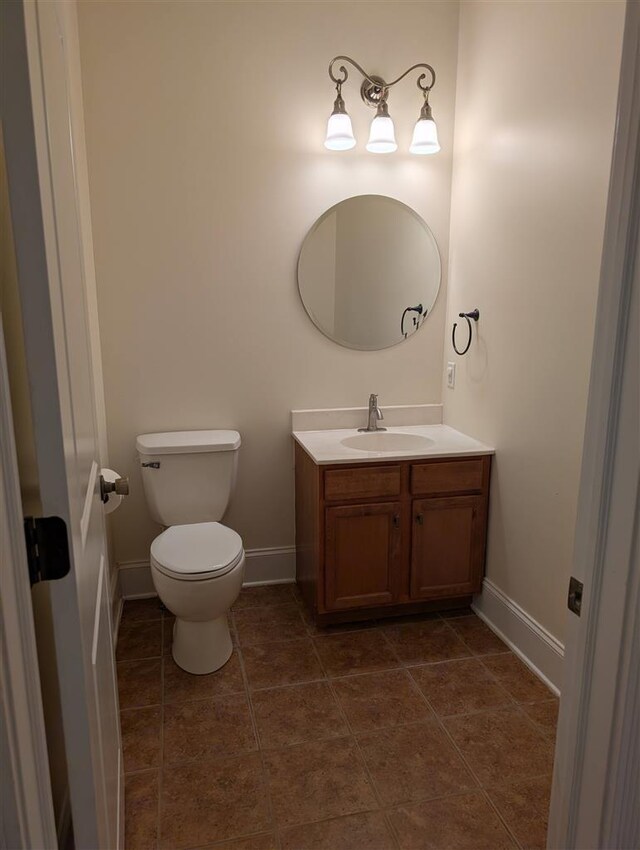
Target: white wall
(205, 124)
(535, 113)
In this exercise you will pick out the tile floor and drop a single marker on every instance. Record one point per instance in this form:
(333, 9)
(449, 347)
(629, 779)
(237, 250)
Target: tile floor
(410, 734)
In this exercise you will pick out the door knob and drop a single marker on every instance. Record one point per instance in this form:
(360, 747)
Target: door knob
(120, 487)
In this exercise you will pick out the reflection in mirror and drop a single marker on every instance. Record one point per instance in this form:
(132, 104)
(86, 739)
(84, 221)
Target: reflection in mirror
(369, 272)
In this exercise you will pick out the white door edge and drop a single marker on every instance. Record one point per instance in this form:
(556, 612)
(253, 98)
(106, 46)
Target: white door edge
(594, 796)
(27, 805)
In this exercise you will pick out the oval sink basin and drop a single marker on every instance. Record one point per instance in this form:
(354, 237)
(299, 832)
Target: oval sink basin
(387, 441)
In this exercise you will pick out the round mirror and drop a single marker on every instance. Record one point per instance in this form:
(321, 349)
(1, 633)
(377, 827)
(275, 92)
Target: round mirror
(369, 272)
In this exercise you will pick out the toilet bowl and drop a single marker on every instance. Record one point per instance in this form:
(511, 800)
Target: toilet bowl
(197, 571)
(197, 563)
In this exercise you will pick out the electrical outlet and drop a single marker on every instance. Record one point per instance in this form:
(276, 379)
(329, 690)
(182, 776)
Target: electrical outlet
(451, 375)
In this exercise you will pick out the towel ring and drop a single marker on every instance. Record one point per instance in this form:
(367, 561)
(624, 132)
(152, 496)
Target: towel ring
(475, 315)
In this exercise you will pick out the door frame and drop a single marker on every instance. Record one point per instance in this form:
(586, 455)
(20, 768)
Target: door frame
(25, 795)
(594, 796)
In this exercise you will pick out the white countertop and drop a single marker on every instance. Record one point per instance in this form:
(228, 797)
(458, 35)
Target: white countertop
(326, 447)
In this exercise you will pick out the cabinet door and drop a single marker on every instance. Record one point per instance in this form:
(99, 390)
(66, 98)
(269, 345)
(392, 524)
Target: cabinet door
(448, 543)
(362, 555)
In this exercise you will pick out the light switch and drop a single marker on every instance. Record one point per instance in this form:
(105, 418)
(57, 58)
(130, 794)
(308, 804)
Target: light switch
(451, 375)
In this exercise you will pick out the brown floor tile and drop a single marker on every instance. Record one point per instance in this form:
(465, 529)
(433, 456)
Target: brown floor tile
(180, 686)
(213, 801)
(140, 683)
(355, 652)
(544, 715)
(296, 714)
(525, 808)
(271, 664)
(501, 745)
(455, 823)
(319, 780)
(376, 700)
(353, 832)
(431, 640)
(139, 640)
(477, 635)
(141, 811)
(257, 597)
(255, 842)
(458, 687)
(265, 625)
(411, 763)
(141, 738)
(206, 729)
(516, 678)
(134, 610)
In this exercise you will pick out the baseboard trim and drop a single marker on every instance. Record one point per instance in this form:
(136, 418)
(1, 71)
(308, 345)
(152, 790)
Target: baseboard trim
(539, 649)
(276, 565)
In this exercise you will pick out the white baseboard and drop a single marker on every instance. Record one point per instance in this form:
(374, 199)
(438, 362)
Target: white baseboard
(538, 648)
(263, 566)
(270, 566)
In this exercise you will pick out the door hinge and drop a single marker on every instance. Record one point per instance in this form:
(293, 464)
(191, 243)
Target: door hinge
(574, 600)
(47, 548)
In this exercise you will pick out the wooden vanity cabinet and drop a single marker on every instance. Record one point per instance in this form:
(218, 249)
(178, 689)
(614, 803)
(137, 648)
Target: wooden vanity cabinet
(381, 539)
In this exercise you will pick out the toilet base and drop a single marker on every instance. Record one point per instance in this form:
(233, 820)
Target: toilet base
(201, 647)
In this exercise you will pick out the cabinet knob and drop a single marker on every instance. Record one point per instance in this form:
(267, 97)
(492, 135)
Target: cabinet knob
(420, 519)
(396, 521)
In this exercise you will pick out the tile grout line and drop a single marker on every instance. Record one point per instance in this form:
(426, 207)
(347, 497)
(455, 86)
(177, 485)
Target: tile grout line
(472, 772)
(265, 771)
(161, 771)
(365, 766)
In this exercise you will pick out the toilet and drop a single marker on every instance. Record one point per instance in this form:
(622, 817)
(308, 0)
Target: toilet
(197, 563)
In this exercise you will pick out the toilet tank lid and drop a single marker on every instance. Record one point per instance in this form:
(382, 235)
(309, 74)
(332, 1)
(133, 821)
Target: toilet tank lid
(181, 442)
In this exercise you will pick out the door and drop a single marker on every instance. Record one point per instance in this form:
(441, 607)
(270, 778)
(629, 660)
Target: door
(447, 547)
(362, 555)
(594, 800)
(49, 234)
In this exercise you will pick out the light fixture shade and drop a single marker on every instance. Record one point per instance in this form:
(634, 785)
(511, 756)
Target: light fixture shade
(425, 137)
(382, 137)
(339, 133)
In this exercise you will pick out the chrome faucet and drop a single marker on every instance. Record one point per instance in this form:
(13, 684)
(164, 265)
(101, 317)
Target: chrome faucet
(375, 415)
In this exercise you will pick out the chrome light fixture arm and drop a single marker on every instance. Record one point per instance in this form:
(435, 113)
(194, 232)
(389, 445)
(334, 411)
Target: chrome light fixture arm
(374, 88)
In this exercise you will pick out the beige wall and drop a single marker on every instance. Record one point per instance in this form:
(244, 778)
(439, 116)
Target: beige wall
(535, 114)
(205, 124)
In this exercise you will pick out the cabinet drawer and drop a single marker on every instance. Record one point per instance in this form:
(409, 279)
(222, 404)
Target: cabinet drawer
(459, 476)
(376, 482)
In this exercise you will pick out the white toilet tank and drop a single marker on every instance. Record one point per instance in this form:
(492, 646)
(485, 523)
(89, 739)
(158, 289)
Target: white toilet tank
(188, 476)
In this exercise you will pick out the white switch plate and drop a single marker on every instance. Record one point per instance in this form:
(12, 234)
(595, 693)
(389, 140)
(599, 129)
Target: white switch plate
(451, 375)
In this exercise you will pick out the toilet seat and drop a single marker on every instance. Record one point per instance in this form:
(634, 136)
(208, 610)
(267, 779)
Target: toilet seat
(198, 551)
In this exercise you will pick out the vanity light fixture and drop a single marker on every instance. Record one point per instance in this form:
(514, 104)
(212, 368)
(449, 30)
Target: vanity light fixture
(375, 93)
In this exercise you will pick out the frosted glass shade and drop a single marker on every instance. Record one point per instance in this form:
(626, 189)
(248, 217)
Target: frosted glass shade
(339, 133)
(425, 137)
(382, 137)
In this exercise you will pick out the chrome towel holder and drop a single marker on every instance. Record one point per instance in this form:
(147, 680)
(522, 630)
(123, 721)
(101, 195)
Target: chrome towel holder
(475, 315)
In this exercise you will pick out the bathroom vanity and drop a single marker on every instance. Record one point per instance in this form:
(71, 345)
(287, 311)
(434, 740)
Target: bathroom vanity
(389, 523)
